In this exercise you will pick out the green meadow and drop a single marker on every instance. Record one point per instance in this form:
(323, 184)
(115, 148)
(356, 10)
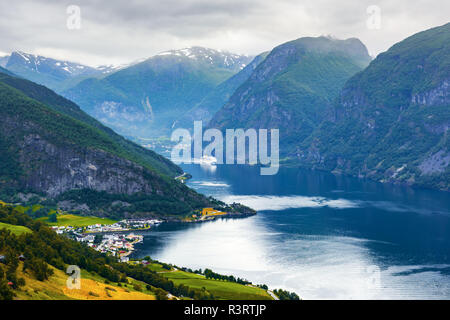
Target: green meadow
(76, 221)
(17, 230)
(223, 290)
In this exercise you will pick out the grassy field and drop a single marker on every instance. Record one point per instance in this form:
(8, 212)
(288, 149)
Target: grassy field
(157, 267)
(220, 289)
(14, 229)
(76, 221)
(93, 287)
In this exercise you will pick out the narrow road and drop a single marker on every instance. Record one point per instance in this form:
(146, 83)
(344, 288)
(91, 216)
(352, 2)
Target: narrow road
(174, 269)
(272, 295)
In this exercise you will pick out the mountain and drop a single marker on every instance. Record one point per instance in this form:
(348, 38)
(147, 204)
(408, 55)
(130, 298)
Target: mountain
(390, 122)
(205, 110)
(54, 74)
(146, 98)
(4, 61)
(53, 149)
(292, 87)
(3, 70)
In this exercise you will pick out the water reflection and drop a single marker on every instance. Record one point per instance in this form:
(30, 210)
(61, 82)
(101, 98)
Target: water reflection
(319, 235)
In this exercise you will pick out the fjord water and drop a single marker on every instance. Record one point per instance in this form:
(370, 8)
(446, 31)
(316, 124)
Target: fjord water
(320, 235)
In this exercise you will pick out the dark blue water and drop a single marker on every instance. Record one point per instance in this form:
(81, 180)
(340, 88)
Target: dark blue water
(317, 234)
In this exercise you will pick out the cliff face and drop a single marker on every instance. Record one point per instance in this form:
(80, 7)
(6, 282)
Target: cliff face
(391, 120)
(54, 170)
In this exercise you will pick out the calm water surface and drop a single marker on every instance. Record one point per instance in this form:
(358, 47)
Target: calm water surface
(322, 236)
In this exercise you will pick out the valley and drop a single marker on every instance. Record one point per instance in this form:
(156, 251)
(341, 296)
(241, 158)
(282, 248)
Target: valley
(340, 175)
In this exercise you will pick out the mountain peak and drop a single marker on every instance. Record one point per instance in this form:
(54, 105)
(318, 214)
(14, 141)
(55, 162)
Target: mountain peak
(352, 47)
(222, 58)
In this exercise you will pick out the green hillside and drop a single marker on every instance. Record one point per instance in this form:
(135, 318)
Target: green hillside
(17, 230)
(292, 87)
(222, 290)
(45, 256)
(58, 103)
(54, 149)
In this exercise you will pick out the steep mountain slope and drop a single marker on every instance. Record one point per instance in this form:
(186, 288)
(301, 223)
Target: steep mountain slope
(4, 71)
(146, 99)
(292, 87)
(67, 107)
(205, 110)
(391, 121)
(48, 146)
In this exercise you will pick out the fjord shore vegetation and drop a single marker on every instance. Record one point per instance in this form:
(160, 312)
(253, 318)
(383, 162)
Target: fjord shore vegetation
(36, 259)
(43, 250)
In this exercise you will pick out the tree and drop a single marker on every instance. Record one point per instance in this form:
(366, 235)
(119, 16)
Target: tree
(53, 218)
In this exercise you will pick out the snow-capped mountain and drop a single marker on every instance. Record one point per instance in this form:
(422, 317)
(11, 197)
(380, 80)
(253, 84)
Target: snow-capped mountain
(52, 73)
(146, 98)
(110, 68)
(55, 74)
(58, 68)
(218, 58)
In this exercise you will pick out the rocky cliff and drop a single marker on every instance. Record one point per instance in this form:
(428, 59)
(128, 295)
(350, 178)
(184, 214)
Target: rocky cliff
(391, 121)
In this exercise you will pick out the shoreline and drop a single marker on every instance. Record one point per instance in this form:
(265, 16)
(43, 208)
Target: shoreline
(211, 218)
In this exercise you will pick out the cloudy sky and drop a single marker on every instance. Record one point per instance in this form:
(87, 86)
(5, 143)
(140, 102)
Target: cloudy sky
(113, 31)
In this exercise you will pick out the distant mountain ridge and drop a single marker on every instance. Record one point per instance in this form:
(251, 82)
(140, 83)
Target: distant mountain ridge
(147, 98)
(53, 73)
(219, 58)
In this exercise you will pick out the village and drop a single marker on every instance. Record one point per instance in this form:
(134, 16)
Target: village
(121, 226)
(117, 245)
(115, 239)
(111, 239)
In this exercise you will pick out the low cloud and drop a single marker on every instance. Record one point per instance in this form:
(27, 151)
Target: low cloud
(122, 31)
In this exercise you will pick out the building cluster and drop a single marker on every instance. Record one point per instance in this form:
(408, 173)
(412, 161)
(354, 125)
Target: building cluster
(123, 225)
(117, 245)
(109, 239)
